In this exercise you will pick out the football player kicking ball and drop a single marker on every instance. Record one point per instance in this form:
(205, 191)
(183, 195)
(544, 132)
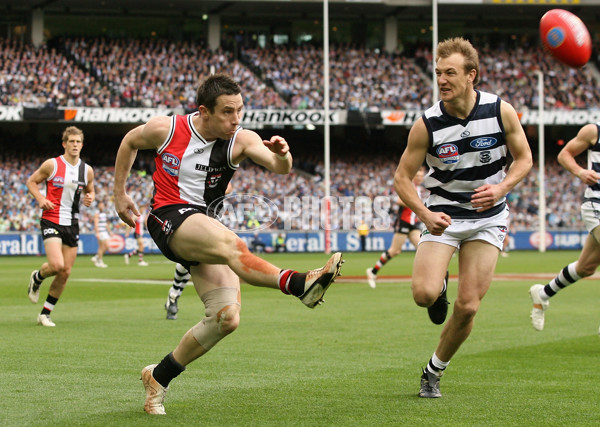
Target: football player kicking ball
(197, 154)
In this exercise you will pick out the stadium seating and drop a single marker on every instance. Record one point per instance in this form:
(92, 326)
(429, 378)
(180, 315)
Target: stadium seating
(99, 72)
(371, 179)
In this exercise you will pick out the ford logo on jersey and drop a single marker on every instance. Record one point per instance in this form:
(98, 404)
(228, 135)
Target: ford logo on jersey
(485, 142)
(170, 164)
(448, 153)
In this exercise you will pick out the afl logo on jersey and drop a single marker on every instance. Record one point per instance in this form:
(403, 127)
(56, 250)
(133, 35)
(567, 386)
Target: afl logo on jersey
(170, 164)
(485, 142)
(448, 153)
(58, 181)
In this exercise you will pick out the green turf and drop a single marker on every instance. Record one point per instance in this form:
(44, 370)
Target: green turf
(353, 361)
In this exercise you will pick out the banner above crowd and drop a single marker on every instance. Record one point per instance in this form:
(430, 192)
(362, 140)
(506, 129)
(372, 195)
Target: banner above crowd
(260, 118)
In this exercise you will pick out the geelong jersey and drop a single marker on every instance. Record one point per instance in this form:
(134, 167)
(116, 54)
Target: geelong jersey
(191, 170)
(63, 188)
(102, 222)
(464, 154)
(592, 192)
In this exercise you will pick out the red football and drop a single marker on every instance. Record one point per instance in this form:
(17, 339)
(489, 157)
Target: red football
(566, 37)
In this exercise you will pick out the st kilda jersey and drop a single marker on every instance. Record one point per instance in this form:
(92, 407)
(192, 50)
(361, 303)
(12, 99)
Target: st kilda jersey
(405, 214)
(191, 170)
(63, 188)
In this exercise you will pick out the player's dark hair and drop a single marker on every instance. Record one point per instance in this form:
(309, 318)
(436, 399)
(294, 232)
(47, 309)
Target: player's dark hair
(465, 48)
(213, 87)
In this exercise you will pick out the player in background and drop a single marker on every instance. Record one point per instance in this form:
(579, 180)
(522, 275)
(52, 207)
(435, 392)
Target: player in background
(196, 157)
(67, 177)
(138, 233)
(102, 235)
(465, 138)
(587, 139)
(180, 279)
(406, 225)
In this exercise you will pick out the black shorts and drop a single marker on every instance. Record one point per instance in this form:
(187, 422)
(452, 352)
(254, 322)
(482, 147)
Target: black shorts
(403, 227)
(69, 234)
(163, 222)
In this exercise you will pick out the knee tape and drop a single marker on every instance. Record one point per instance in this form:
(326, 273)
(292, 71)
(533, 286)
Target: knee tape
(222, 305)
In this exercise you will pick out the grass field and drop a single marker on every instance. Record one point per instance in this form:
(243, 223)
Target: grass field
(355, 360)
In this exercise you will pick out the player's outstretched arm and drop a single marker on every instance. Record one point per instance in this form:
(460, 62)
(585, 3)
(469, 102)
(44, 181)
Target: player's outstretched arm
(274, 154)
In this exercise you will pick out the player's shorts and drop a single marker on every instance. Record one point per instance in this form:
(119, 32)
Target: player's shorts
(138, 235)
(69, 234)
(590, 213)
(403, 227)
(492, 230)
(103, 235)
(163, 222)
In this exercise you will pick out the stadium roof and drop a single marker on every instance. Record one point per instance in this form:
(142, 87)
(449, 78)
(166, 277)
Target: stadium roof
(504, 15)
(293, 8)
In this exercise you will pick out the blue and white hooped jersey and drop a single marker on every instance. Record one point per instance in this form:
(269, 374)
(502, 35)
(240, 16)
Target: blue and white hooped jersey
(463, 155)
(102, 222)
(592, 192)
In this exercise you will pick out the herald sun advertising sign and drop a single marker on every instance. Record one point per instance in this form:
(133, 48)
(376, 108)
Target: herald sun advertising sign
(295, 241)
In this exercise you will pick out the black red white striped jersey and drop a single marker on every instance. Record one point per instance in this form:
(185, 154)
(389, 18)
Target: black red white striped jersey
(191, 170)
(406, 214)
(63, 188)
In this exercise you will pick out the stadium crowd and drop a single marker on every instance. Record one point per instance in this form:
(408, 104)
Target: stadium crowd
(102, 72)
(350, 180)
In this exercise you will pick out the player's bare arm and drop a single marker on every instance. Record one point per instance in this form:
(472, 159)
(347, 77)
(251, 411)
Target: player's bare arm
(273, 154)
(410, 162)
(585, 138)
(486, 196)
(36, 178)
(90, 193)
(147, 136)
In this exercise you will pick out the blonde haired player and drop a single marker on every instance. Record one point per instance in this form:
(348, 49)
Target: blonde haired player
(67, 178)
(465, 139)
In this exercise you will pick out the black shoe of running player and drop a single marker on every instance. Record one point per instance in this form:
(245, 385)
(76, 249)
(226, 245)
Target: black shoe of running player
(439, 309)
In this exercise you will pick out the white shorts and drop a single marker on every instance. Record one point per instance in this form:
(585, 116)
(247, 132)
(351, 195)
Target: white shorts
(492, 230)
(590, 213)
(103, 235)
